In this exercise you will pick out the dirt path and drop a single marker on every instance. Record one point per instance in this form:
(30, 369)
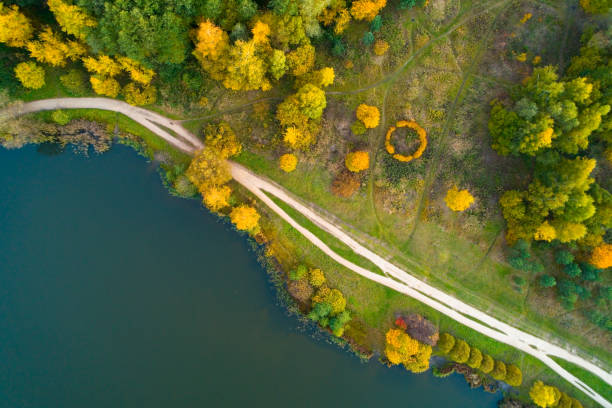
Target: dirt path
(397, 279)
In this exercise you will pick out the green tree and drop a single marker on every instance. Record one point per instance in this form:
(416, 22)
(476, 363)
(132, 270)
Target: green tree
(572, 270)
(499, 370)
(148, 31)
(547, 281)
(475, 358)
(298, 273)
(376, 24)
(368, 38)
(564, 257)
(446, 342)
(460, 352)
(514, 376)
(487, 364)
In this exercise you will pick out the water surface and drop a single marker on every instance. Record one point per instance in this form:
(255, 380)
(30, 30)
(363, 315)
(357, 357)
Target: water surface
(115, 294)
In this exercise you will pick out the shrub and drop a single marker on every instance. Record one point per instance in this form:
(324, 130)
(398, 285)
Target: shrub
(357, 161)
(74, 82)
(338, 322)
(499, 370)
(446, 343)
(487, 364)
(288, 162)
(369, 115)
(368, 38)
(358, 128)
(460, 352)
(422, 134)
(298, 273)
(345, 184)
(30, 75)
(376, 24)
(139, 95)
(380, 47)
(475, 358)
(316, 277)
(514, 376)
(458, 200)
(60, 117)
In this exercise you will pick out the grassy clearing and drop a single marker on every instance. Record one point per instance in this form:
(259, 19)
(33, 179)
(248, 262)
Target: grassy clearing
(332, 242)
(375, 305)
(600, 386)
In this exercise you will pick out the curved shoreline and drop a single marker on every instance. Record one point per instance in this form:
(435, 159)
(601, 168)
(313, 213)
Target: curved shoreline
(396, 278)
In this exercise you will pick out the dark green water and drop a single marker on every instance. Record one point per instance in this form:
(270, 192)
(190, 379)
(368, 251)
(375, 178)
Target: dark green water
(115, 294)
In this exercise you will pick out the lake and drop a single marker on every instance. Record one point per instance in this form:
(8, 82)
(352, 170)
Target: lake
(115, 294)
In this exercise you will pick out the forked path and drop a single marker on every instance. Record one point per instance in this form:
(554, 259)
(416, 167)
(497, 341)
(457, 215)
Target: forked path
(396, 279)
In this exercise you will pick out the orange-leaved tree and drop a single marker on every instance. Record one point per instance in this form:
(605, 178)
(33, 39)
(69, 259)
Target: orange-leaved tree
(357, 161)
(400, 348)
(601, 257)
(369, 115)
(367, 9)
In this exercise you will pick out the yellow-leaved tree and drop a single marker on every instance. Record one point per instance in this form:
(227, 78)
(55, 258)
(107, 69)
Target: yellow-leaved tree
(245, 218)
(369, 115)
(208, 169)
(30, 75)
(288, 162)
(211, 45)
(15, 28)
(105, 86)
(216, 197)
(222, 138)
(458, 200)
(136, 70)
(357, 161)
(72, 19)
(102, 65)
(138, 95)
(50, 48)
(544, 395)
(545, 232)
(301, 60)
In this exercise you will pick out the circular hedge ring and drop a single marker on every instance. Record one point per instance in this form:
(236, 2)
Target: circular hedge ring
(422, 137)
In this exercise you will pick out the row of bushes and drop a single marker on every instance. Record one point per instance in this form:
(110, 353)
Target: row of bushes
(459, 351)
(328, 306)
